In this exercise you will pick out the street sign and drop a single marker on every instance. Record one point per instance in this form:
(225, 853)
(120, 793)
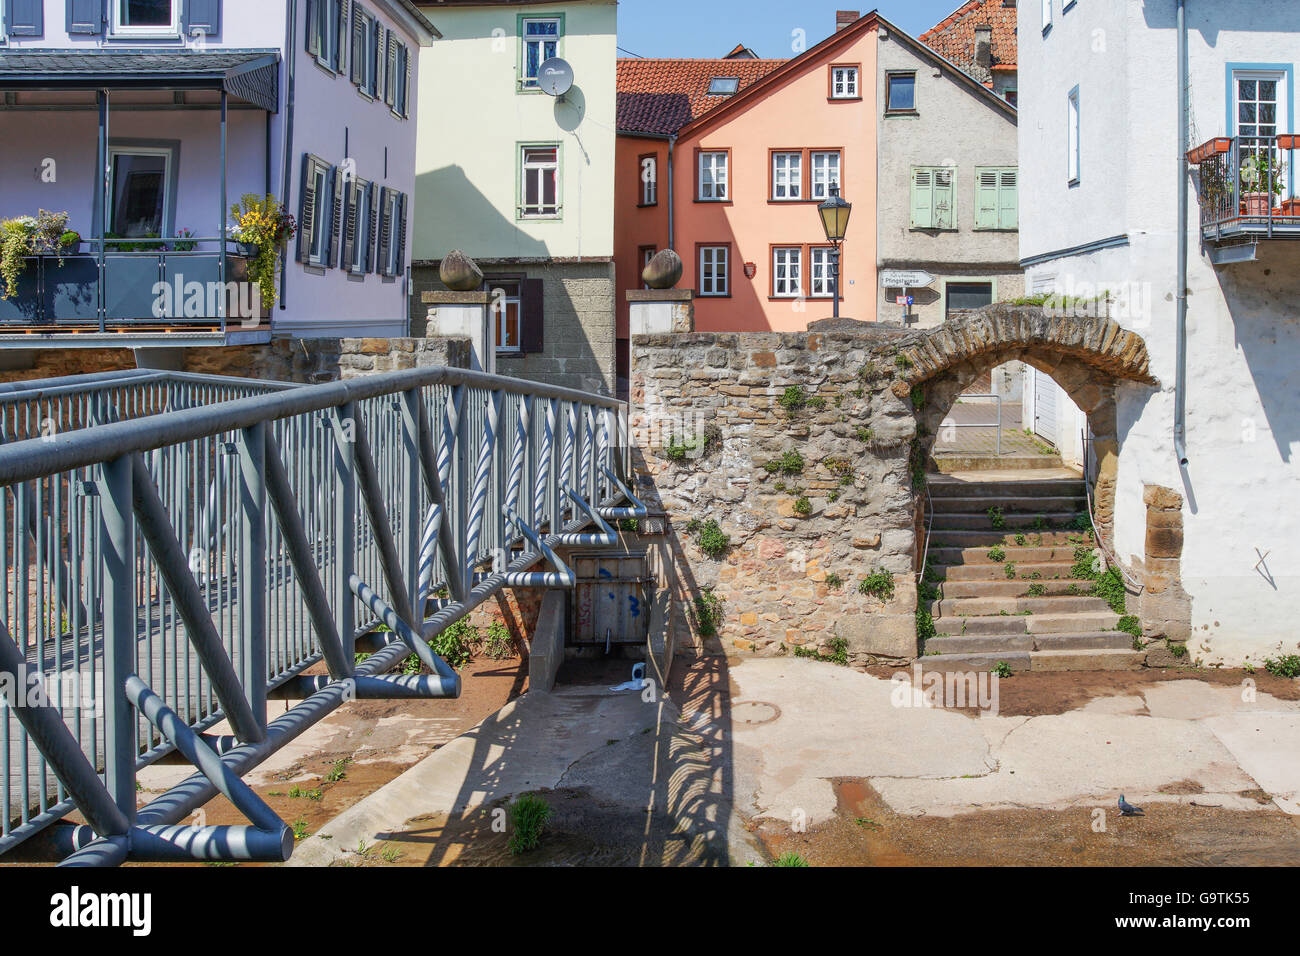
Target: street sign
(904, 278)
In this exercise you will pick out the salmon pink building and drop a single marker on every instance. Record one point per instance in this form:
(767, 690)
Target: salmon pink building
(726, 160)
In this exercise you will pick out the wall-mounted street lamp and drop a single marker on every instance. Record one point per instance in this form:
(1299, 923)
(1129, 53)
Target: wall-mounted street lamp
(835, 220)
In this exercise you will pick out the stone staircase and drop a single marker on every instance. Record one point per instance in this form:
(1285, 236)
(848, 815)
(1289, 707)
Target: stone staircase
(1033, 616)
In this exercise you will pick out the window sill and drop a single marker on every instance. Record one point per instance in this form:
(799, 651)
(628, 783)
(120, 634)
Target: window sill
(843, 99)
(1072, 182)
(714, 202)
(995, 229)
(897, 114)
(791, 202)
(354, 276)
(314, 268)
(647, 205)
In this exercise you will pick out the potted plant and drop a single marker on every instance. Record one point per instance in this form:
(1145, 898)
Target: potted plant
(185, 241)
(70, 242)
(260, 232)
(23, 236)
(1262, 175)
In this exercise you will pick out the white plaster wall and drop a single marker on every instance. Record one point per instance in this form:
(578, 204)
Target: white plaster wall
(1243, 395)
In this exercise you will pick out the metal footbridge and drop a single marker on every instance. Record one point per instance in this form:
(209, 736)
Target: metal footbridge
(178, 549)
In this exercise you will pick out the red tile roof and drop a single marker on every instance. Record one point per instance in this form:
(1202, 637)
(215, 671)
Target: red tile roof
(662, 96)
(954, 37)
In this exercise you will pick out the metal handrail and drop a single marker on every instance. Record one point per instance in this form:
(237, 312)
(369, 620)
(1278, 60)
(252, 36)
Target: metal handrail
(200, 557)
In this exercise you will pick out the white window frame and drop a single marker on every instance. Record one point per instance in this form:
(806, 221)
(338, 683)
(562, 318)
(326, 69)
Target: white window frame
(1073, 137)
(168, 198)
(792, 259)
(826, 281)
(1047, 15)
(526, 81)
(789, 178)
(821, 184)
(125, 30)
(1280, 102)
(847, 78)
(715, 160)
(540, 210)
(720, 257)
(500, 312)
(649, 171)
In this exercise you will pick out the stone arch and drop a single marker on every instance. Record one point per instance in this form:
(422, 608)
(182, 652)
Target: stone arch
(1085, 355)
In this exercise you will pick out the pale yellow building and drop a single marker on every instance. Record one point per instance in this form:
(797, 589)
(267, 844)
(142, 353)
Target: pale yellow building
(522, 180)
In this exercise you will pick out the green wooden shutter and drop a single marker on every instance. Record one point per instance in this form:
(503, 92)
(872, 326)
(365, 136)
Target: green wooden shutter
(986, 198)
(341, 47)
(350, 225)
(306, 209)
(358, 44)
(945, 211)
(1008, 200)
(922, 199)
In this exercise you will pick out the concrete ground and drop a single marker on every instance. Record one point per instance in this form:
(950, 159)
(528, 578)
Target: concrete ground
(982, 440)
(738, 746)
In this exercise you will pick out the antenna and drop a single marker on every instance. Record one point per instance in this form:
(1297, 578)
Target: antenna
(555, 76)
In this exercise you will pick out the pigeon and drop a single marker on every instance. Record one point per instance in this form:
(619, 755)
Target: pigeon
(1127, 809)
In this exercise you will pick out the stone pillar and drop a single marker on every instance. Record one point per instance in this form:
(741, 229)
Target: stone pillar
(1166, 607)
(660, 311)
(464, 314)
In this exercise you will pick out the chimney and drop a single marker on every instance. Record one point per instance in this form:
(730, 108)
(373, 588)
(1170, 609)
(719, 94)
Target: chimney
(845, 18)
(984, 47)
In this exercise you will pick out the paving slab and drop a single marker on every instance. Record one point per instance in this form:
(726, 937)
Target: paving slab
(1267, 746)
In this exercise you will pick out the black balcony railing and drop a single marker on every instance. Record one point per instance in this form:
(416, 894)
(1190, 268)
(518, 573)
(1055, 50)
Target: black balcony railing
(1246, 186)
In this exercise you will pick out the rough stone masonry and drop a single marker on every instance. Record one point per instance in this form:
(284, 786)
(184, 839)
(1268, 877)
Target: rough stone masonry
(809, 452)
(797, 447)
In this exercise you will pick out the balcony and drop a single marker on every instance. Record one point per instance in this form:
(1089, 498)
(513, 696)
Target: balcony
(135, 298)
(1246, 187)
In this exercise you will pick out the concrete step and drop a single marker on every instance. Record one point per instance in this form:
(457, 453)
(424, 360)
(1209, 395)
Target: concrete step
(1085, 641)
(968, 538)
(945, 487)
(1020, 661)
(980, 644)
(988, 606)
(979, 554)
(1009, 505)
(988, 571)
(1004, 643)
(1026, 523)
(980, 663)
(1089, 660)
(1016, 588)
(1077, 622)
(957, 462)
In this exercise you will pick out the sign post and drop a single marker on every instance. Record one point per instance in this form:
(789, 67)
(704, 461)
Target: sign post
(905, 279)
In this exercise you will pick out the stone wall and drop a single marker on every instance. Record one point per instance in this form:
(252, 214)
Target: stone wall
(578, 320)
(283, 359)
(808, 492)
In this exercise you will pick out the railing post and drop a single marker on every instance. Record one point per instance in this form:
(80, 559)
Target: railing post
(252, 568)
(345, 523)
(412, 513)
(460, 496)
(118, 550)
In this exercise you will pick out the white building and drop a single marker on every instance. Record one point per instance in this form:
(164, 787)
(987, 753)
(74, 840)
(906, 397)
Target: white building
(1101, 162)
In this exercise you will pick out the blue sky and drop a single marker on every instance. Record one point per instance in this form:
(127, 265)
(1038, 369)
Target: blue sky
(712, 27)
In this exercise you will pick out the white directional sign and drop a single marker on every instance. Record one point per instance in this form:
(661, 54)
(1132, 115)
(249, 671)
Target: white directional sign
(904, 278)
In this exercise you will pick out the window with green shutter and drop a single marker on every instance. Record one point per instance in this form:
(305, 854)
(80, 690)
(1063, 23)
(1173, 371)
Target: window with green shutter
(996, 198)
(932, 197)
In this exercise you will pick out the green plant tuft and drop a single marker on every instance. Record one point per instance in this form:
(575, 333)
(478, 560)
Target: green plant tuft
(529, 815)
(879, 583)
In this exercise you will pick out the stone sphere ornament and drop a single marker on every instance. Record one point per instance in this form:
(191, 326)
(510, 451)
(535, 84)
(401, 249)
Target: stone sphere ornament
(663, 271)
(459, 272)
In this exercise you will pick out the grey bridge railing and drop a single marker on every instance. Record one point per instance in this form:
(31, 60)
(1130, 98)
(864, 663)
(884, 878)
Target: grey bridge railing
(177, 549)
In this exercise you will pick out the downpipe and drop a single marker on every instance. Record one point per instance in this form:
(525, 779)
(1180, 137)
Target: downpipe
(1180, 373)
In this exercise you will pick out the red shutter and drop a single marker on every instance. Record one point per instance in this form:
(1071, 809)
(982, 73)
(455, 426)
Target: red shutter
(532, 319)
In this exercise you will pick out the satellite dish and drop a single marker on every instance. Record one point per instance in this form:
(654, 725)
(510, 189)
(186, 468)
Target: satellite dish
(555, 76)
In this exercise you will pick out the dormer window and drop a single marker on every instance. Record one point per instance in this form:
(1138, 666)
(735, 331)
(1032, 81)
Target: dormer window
(724, 86)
